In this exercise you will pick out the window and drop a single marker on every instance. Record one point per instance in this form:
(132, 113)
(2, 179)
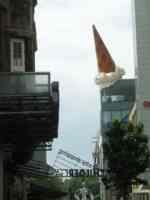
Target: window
(106, 99)
(124, 113)
(17, 55)
(118, 98)
(106, 117)
(113, 98)
(116, 115)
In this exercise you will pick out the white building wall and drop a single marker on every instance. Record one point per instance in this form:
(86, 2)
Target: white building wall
(141, 25)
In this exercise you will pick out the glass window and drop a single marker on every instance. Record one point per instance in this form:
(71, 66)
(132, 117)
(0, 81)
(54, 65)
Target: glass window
(117, 98)
(17, 55)
(106, 117)
(121, 98)
(124, 113)
(114, 98)
(116, 115)
(17, 50)
(106, 99)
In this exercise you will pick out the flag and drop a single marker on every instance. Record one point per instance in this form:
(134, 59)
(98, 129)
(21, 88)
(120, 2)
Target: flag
(104, 60)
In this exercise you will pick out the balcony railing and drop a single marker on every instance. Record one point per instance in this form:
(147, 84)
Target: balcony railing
(25, 84)
(29, 108)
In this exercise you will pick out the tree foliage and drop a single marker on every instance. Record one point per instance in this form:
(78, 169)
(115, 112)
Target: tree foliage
(52, 183)
(74, 183)
(127, 154)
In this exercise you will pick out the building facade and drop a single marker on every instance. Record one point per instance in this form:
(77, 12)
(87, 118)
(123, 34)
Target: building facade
(29, 102)
(17, 35)
(141, 26)
(116, 103)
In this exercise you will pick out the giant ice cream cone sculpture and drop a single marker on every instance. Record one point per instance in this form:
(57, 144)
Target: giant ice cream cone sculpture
(108, 72)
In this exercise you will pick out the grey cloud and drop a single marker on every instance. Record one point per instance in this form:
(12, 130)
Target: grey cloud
(64, 5)
(65, 44)
(65, 52)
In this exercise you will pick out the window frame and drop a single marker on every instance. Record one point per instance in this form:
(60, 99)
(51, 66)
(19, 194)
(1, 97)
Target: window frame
(13, 67)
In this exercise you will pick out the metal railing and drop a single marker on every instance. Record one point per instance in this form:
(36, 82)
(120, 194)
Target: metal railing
(25, 84)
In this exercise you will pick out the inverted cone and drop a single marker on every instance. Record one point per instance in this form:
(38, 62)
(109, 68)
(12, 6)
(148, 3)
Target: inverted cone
(104, 60)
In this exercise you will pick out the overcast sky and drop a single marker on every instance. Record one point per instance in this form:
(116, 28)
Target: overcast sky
(66, 49)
